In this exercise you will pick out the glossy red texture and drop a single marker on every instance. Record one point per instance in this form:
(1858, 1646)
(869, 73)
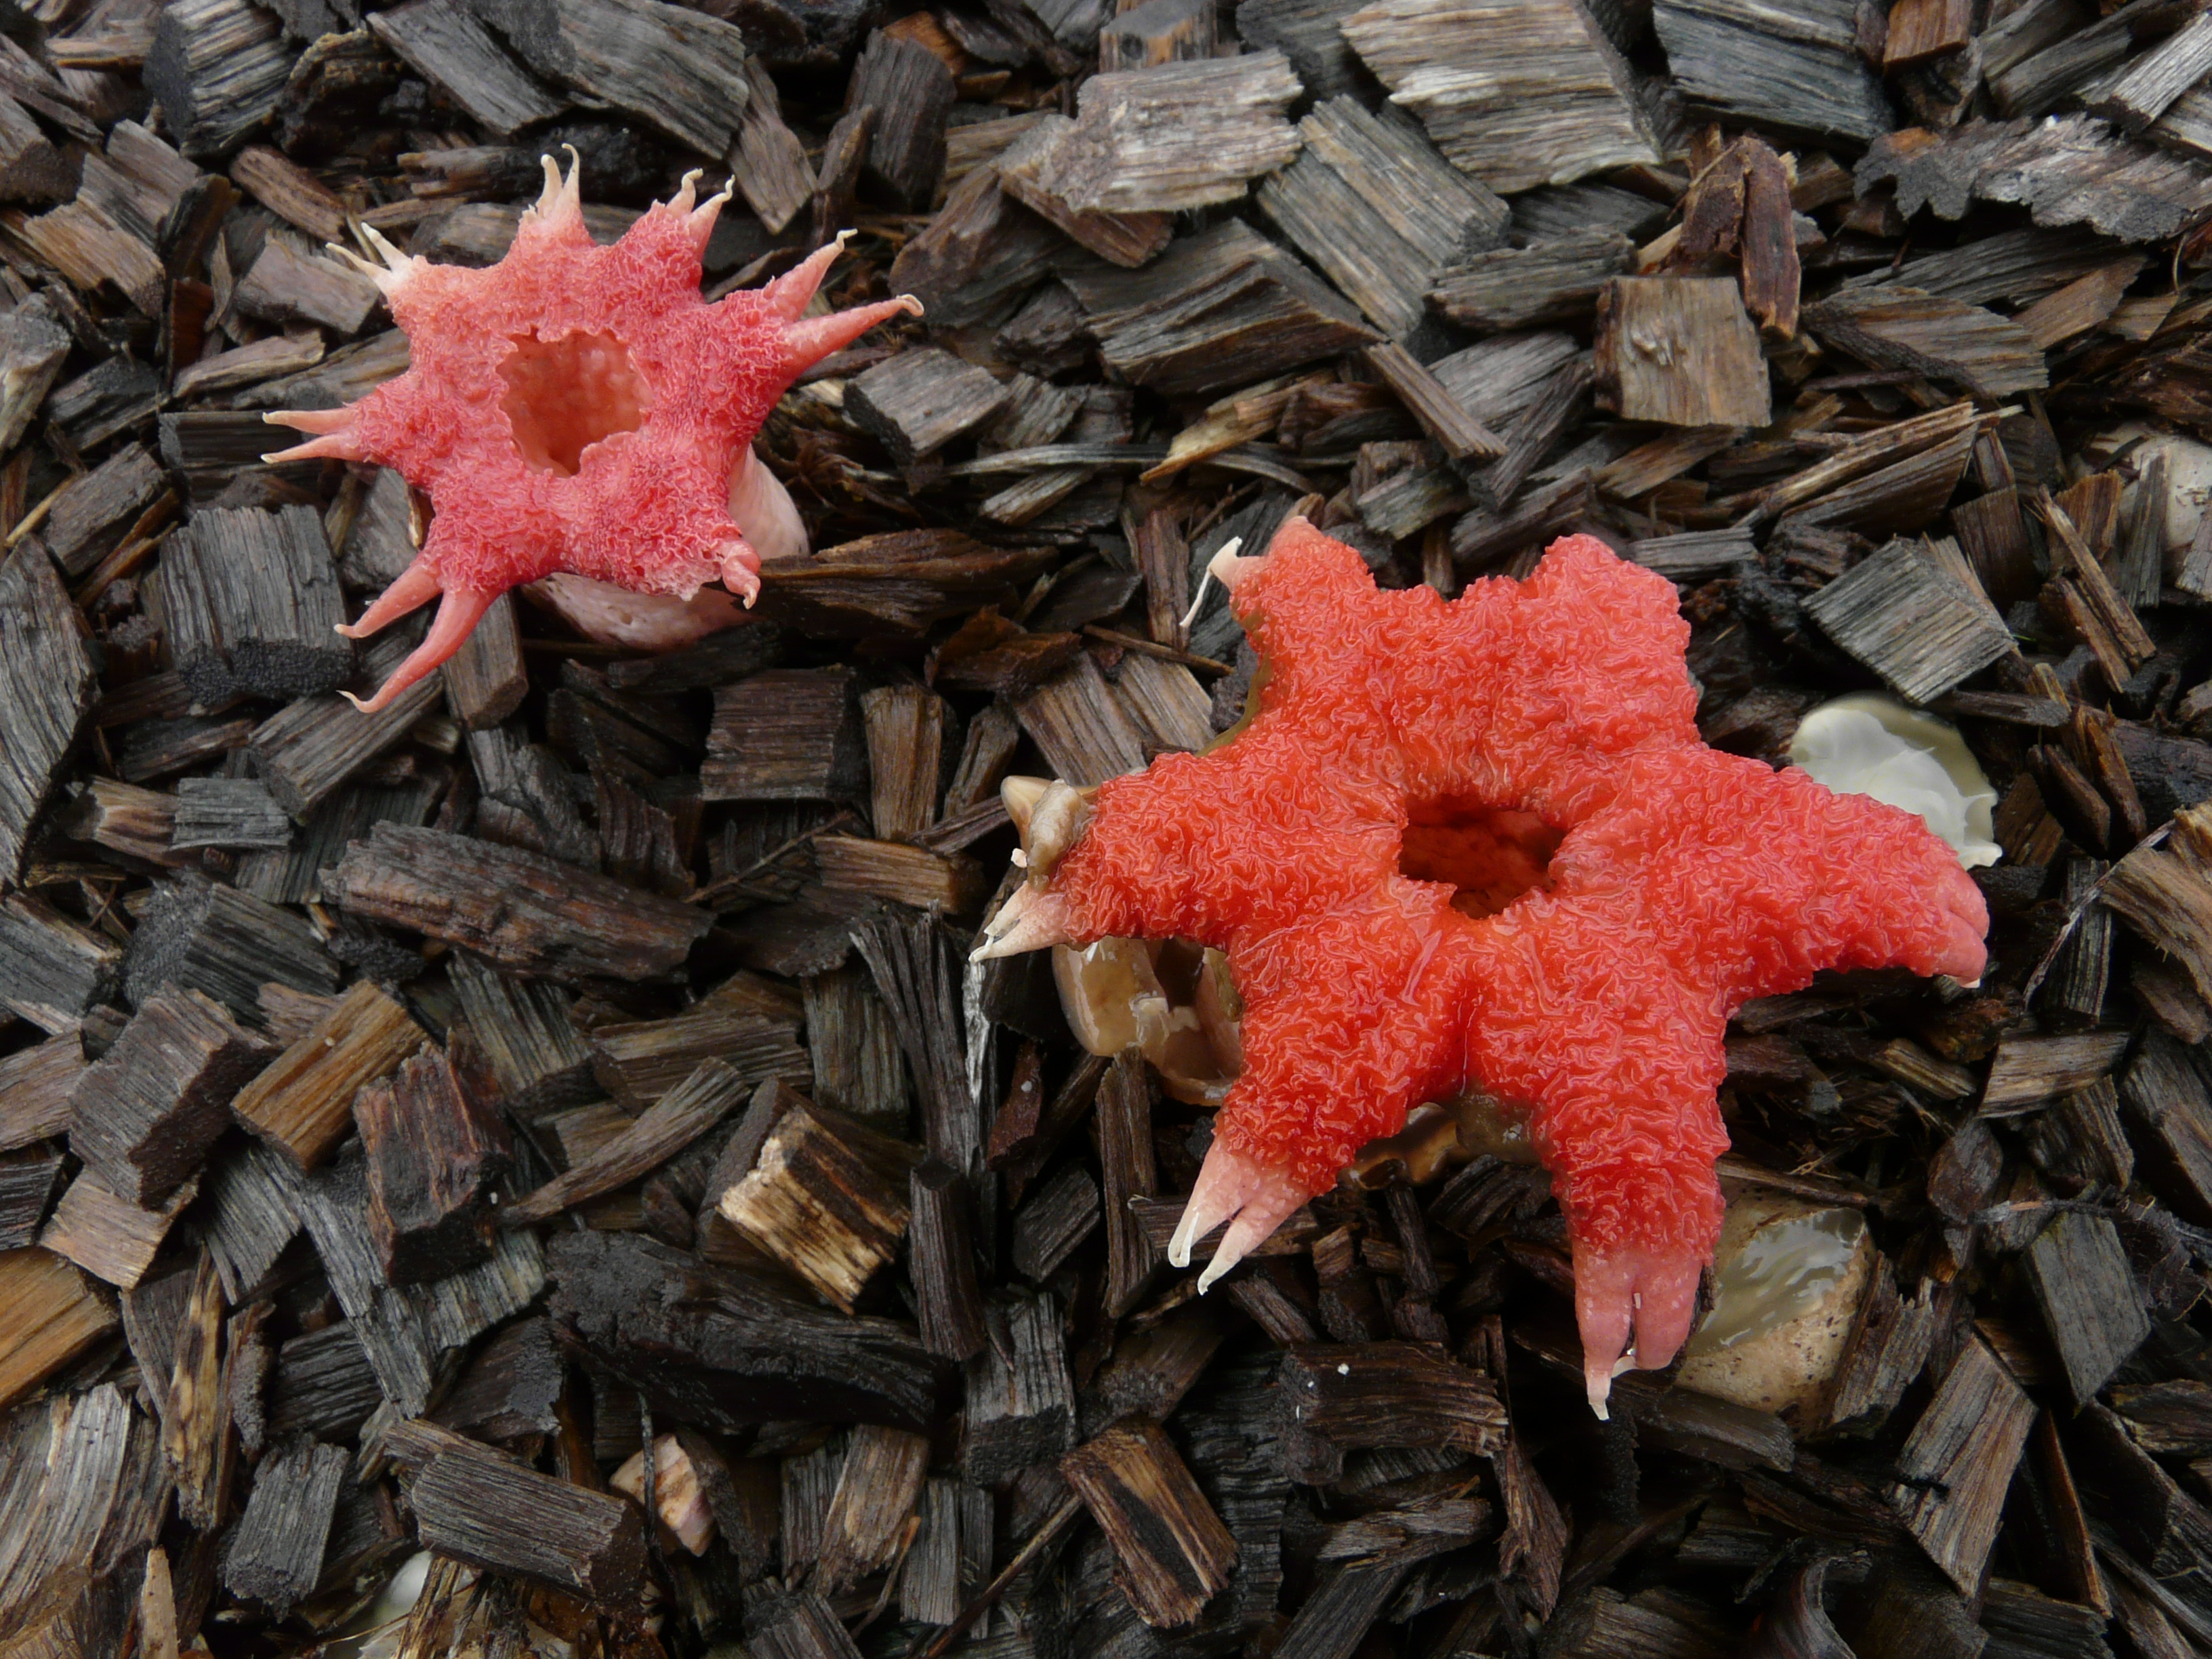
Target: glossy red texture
(1685, 882)
(577, 409)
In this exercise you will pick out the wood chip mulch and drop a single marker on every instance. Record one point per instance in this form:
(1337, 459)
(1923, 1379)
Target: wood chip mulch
(407, 1120)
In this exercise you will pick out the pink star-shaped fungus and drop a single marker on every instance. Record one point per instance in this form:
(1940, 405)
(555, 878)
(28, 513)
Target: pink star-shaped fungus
(580, 409)
(1398, 737)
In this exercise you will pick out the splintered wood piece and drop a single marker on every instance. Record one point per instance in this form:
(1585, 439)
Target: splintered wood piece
(1679, 350)
(432, 1151)
(84, 525)
(302, 1101)
(1868, 453)
(1174, 1554)
(1371, 202)
(941, 1258)
(952, 1555)
(754, 1353)
(1483, 537)
(1177, 136)
(144, 1114)
(2079, 306)
(441, 42)
(218, 70)
(1563, 400)
(33, 348)
(85, 1495)
(1921, 29)
(476, 1506)
(1806, 77)
(525, 912)
(1156, 32)
(291, 280)
(49, 1313)
(2155, 79)
(858, 1068)
(1956, 1466)
(800, 1626)
(275, 1554)
(786, 734)
(511, 1387)
(48, 684)
(1021, 1405)
(2168, 1098)
(2029, 1070)
(2168, 1420)
(673, 1122)
(91, 250)
(919, 877)
(827, 1198)
(1909, 620)
(35, 1085)
(1381, 1394)
(638, 1064)
(912, 93)
(768, 164)
(237, 814)
(1932, 335)
(2090, 1304)
(1261, 313)
(1512, 287)
(680, 72)
(1883, 1355)
(877, 1488)
(2169, 902)
(27, 1180)
(307, 749)
(33, 169)
(981, 252)
(1153, 1369)
(290, 191)
(922, 399)
(1029, 171)
(1058, 1217)
(919, 977)
(1429, 401)
(1125, 1154)
(908, 728)
(485, 680)
(250, 1218)
(2154, 1520)
(1080, 726)
(322, 1386)
(53, 971)
(1517, 95)
(109, 1237)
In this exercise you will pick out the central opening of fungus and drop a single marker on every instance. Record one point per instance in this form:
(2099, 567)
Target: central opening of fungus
(564, 395)
(1491, 854)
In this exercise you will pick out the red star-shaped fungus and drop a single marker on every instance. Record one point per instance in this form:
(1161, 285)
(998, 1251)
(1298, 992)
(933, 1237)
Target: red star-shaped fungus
(578, 409)
(1400, 737)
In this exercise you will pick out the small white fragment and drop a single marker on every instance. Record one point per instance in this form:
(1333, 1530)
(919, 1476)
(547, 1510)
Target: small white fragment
(1344, 1370)
(1870, 744)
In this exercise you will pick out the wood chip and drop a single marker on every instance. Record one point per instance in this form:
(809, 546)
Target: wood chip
(302, 1101)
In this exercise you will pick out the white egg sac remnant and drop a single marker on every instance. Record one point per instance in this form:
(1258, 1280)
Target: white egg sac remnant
(1869, 744)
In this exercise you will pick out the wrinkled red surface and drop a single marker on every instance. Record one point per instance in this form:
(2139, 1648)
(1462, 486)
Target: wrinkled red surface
(647, 508)
(576, 409)
(1685, 882)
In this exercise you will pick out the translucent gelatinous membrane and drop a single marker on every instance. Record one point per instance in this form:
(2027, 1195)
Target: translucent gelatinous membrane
(1490, 854)
(1869, 745)
(1780, 1270)
(565, 394)
(1169, 998)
